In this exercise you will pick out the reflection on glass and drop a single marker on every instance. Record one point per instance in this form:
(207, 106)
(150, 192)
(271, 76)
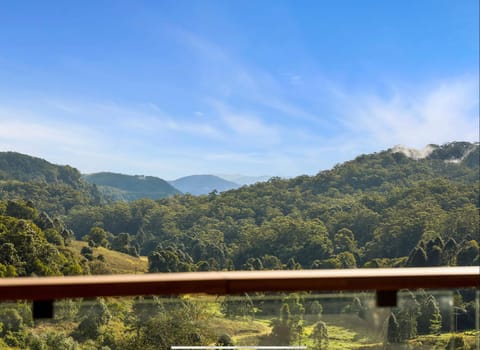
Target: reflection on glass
(421, 320)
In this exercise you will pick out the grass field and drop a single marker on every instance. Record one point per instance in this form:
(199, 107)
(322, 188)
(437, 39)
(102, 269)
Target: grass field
(116, 261)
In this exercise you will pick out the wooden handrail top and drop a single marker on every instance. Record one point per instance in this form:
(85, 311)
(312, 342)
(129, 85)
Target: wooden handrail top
(234, 282)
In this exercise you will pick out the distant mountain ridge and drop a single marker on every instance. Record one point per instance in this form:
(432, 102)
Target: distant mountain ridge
(203, 184)
(131, 187)
(243, 179)
(32, 178)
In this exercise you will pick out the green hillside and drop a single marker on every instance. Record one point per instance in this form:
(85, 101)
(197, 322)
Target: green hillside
(382, 209)
(22, 167)
(52, 188)
(115, 262)
(378, 210)
(128, 187)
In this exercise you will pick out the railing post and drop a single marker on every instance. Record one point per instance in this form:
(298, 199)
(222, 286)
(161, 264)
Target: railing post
(42, 309)
(386, 298)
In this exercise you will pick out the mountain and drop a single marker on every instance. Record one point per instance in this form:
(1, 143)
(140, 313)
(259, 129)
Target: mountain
(377, 210)
(22, 167)
(203, 184)
(398, 166)
(390, 208)
(52, 188)
(243, 179)
(394, 208)
(131, 187)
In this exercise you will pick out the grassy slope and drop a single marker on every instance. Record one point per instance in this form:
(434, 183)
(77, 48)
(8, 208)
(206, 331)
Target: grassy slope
(472, 340)
(116, 261)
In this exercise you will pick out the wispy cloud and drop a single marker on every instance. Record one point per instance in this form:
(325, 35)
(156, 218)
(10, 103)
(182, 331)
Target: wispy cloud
(247, 119)
(247, 127)
(23, 126)
(36, 133)
(435, 112)
(446, 111)
(151, 119)
(231, 78)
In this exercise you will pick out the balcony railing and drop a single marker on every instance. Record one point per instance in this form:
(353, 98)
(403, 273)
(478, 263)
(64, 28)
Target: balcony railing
(234, 282)
(414, 308)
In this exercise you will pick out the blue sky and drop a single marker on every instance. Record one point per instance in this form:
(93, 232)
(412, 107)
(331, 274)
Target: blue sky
(173, 88)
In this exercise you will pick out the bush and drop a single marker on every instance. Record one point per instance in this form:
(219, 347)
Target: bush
(225, 340)
(456, 342)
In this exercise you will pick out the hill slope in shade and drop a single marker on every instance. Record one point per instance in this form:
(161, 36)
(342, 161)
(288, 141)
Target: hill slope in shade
(22, 167)
(52, 188)
(131, 187)
(203, 184)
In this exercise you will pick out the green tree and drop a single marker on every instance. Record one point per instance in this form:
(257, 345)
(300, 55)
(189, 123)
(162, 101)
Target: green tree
(180, 325)
(97, 315)
(393, 329)
(468, 254)
(21, 210)
(169, 259)
(98, 236)
(288, 328)
(224, 340)
(430, 319)
(237, 306)
(347, 260)
(344, 241)
(407, 315)
(121, 242)
(60, 341)
(144, 308)
(314, 311)
(434, 256)
(11, 321)
(320, 336)
(281, 331)
(417, 258)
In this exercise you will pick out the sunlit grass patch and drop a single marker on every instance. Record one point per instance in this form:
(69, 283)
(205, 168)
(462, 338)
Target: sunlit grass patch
(116, 261)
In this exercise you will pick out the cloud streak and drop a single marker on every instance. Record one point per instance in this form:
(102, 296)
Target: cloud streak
(225, 138)
(447, 111)
(248, 120)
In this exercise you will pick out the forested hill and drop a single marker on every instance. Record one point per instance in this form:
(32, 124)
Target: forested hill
(382, 209)
(456, 161)
(22, 167)
(53, 188)
(128, 187)
(394, 208)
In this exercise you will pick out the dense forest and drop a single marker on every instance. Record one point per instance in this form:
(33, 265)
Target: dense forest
(379, 210)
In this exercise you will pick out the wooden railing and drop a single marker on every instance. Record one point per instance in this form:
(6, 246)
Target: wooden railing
(233, 282)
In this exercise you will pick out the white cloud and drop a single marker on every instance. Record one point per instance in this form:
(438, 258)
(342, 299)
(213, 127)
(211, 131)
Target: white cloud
(24, 127)
(247, 127)
(445, 112)
(155, 124)
(146, 118)
(61, 142)
(414, 116)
